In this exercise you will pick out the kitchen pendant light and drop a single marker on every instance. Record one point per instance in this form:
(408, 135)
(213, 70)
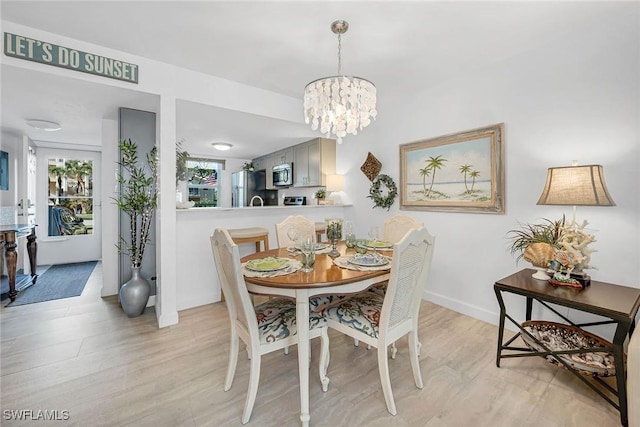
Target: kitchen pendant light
(340, 104)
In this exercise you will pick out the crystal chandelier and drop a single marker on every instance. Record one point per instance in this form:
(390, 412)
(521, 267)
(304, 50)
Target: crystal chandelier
(339, 104)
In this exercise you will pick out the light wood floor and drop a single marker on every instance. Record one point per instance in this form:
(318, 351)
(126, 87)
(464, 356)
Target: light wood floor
(85, 356)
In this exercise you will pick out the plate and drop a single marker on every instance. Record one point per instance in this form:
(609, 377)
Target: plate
(267, 264)
(379, 244)
(318, 247)
(367, 260)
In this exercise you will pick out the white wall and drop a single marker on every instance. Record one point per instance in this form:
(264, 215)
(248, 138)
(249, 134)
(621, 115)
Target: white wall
(574, 98)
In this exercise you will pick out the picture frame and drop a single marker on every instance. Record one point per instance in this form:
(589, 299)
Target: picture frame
(459, 172)
(4, 170)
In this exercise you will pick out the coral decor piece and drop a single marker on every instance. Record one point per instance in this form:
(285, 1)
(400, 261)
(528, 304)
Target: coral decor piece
(371, 167)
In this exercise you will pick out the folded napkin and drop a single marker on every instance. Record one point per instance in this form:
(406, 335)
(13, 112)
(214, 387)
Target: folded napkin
(343, 262)
(293, 266)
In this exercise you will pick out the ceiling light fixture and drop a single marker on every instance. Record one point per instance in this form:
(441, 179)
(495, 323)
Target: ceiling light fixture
(222, 146)
(44, 125)
(339, 104)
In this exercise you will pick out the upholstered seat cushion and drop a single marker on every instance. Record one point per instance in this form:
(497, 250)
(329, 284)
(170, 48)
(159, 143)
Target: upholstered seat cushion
(379, 288)
(360, 312)
(277, 320)
(317, 303)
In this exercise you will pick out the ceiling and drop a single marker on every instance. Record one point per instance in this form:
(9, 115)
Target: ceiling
(275, 45)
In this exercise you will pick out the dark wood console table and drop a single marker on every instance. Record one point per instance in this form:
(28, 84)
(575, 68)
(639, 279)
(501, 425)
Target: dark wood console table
(618, 304)
(8, 235)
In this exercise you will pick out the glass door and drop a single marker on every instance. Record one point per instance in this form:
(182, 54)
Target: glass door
(68, 206)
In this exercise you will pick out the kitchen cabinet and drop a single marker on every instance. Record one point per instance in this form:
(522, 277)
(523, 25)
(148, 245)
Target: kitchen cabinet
(268, 165)
(313, 161)
(283, 156)
(259, 163)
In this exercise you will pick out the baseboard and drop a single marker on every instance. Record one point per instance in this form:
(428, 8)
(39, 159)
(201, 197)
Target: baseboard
(197, 300)
(462, 307)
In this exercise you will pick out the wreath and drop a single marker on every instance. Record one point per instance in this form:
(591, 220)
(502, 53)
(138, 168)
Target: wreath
(380, 199)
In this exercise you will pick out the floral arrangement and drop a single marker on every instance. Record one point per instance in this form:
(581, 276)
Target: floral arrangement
(320, 194)
(248, 166)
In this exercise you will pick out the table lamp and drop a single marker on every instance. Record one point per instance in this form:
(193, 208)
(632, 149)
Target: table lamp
(576, 186)
(334, 187)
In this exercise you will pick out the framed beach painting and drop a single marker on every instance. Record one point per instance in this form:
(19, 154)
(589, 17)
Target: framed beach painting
(460, 172)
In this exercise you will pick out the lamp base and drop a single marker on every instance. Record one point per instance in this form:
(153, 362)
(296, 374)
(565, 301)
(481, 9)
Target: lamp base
(582, 277)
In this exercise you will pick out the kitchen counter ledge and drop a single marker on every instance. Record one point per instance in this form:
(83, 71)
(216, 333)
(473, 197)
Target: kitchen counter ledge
(253, 208)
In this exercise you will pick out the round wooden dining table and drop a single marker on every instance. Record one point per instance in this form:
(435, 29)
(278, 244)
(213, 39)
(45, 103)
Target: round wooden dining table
(326, 278)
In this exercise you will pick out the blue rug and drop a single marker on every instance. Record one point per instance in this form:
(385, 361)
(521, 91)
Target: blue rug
(57, 282)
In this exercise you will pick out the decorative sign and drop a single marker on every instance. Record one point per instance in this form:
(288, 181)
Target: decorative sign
(60, 56)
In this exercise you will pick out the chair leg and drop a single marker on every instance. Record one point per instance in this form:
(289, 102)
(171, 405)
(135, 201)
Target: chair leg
(254, 379)
(383, 368)
(286, 350)
(394, 350)
(414, 352)
(356, 342)
(233, 359)
(323, 364)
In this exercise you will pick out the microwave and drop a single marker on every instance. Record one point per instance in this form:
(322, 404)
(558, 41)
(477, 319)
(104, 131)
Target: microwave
(283, 175)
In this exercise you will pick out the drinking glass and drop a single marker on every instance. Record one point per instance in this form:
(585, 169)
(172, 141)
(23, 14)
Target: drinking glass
(349, 236)
(292, 234)
(374, 235)
(307, 246)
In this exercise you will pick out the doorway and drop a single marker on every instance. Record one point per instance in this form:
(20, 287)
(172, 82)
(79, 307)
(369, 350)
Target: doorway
(68, 206)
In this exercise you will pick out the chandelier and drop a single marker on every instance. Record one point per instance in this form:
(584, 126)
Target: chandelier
(339, 104)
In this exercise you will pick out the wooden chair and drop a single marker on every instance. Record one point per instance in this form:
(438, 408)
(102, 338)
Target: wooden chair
(394, 228)
(379, 321)
(251, 235)
(299, 223)
(264, 328)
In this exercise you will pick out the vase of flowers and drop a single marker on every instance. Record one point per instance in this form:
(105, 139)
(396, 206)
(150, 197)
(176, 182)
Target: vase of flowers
(138, 199)
(334, 234)
(248, 166)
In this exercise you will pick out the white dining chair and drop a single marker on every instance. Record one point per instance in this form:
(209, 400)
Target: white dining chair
(379, 321)
(264, 328)
(394, 228)
(301, 225)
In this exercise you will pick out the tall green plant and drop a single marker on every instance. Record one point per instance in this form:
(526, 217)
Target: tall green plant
(138, 197)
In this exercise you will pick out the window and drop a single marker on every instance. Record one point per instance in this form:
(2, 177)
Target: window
(70, 197)
(203, 181)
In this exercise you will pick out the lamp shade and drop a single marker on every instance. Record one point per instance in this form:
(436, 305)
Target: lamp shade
(334, 182)
(576, 186)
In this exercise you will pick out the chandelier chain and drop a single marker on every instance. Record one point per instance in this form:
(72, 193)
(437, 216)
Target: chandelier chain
(339, 54)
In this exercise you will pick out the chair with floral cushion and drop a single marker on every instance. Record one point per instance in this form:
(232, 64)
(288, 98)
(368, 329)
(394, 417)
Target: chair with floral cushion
(264, 328)
(379, 321)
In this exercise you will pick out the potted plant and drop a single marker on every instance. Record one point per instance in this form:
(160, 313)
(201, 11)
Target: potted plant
(320, 195)
(138, 199)
(248, 166)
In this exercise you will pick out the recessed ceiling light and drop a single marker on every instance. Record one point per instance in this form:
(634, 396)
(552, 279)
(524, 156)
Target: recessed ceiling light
(44, 125)
(222, 146)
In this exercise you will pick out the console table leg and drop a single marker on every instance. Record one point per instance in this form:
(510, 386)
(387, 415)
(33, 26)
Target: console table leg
(500, 326)
(11, 257)
(621, 374)
(32, 251)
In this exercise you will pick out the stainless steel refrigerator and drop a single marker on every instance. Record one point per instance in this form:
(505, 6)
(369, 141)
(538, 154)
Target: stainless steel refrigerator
(245, 185)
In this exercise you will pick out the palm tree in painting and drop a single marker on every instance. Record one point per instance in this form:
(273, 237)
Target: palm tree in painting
(465, 169)
(434, 163)
(424, 172)
(473, 176)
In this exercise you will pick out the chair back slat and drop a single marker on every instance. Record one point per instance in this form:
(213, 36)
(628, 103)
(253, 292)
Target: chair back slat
(409, 270)
(227, 259)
